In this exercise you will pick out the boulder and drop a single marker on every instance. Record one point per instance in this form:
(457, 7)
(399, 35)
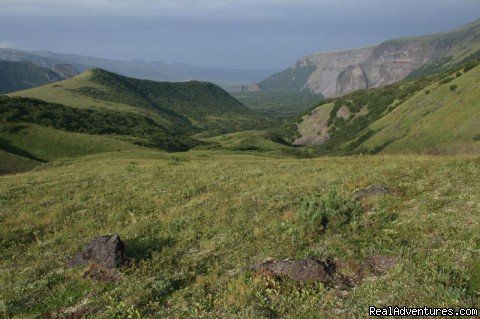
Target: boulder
(107, 251)
(308, 269)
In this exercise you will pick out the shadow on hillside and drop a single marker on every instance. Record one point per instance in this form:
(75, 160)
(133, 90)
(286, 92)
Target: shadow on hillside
(7, 147)
(143, 248)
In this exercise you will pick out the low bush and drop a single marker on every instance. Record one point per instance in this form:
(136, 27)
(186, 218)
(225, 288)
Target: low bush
(334, 211)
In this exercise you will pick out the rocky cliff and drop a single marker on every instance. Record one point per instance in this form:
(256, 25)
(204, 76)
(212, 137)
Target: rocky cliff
(337, 73)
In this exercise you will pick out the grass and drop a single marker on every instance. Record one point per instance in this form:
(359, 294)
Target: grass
(48, 144)
(12, 163)
(193, 222)
(444, 121)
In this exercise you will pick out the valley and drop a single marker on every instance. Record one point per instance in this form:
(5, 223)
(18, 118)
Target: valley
(348, 180)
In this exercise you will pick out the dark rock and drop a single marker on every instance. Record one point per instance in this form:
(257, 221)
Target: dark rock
(373, 190)
(107, 251)
(297, 270)
(100, 273)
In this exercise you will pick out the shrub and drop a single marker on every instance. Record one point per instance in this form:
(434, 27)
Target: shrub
(427, 92)
(319, 213)
(446, 80)
(453, 87)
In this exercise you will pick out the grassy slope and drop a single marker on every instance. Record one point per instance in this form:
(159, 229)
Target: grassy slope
(64, 93)
(444, 120)
(11, 163)
(49, 144)
(186, 107)
(193, 222)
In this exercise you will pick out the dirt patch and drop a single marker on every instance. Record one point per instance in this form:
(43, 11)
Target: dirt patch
(100, 273)
(344, 113)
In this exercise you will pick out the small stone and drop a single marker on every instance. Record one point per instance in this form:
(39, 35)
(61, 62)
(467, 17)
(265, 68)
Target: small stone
(107, 251)
(373, 190)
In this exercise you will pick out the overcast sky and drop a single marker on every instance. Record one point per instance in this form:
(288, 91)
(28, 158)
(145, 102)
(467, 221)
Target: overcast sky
(259, 34)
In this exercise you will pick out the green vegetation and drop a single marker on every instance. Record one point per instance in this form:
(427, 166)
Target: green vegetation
(184, 108)
(42, 144)
(253, 142)
(11, 163)
(193, 222)
(14, 110)
(17, 76)
(333, 212)
(278, 104)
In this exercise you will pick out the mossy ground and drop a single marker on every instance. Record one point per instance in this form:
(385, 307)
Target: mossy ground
(193, 222)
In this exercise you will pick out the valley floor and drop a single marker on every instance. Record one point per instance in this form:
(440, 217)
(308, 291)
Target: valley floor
(193, 222)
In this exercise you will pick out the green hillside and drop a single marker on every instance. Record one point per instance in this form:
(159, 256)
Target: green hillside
(16, 76)
(439, 114)
(47, 144)
(186, 107)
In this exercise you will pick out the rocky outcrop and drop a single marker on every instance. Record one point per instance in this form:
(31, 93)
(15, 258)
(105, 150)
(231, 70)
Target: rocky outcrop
(309, 269)
(336, 73)
(353, 78)
(106, 251)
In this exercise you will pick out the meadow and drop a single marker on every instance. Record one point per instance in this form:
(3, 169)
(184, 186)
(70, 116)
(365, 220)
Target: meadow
(193, 222)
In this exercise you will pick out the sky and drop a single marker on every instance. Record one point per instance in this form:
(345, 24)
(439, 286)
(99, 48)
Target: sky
(248, 34)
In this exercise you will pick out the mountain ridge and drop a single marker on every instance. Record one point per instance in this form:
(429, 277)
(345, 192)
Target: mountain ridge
(150, 70)
(335, 73)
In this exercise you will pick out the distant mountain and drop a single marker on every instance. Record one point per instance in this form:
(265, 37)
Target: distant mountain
(337, 73)
(431, 115)
(15, 76)
(155, 70)
(183, 108)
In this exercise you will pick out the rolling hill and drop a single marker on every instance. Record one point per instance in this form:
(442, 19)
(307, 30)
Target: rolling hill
(436, 115)
(16, 76)
(337, 73)
(184, 107)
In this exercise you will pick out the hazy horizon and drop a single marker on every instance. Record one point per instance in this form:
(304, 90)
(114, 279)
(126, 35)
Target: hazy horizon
(266, 35)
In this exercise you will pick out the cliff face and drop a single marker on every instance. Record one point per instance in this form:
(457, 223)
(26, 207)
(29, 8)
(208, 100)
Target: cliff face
(337, 73)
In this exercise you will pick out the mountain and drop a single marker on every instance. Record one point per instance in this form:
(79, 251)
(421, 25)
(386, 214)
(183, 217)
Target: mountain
(432, 115)
(15, 76)
(154, 70)
(337, 73)
(184, 107)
